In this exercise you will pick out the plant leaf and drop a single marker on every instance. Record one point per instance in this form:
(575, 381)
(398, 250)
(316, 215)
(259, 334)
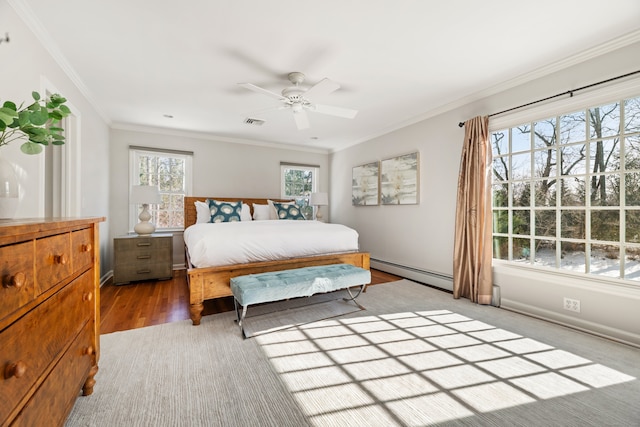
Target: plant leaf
(10, 105)
(39, 118)
(55, 114)
(7, 115)
(23, 118)
(31, 148)
(65, 110)
(35, 95)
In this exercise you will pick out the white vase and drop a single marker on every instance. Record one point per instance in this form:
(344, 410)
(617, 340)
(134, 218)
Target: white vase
(8, 190)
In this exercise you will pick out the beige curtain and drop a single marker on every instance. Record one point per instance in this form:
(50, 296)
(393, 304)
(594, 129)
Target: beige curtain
(472, 247)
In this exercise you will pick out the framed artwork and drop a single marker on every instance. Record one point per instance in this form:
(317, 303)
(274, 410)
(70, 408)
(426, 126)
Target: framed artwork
(399, 179)
(364, 185)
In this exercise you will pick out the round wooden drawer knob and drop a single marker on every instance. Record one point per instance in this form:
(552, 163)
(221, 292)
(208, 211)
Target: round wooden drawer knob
(18, 280)
(61, 259)
(87, 247)
(87, 297)
(15, 370)
(87, 351)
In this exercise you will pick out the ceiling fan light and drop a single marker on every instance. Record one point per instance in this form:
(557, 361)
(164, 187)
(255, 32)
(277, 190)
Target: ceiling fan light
(296, 107)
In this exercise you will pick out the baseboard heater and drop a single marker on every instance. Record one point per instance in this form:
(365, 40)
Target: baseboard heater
(431, 278)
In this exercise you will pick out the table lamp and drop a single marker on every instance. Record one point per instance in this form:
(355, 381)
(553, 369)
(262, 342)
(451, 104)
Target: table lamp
(319, 199)
(144, 195)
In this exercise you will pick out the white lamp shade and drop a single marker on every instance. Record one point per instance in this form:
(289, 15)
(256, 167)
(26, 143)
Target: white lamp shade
(144, 194)
(319, 199)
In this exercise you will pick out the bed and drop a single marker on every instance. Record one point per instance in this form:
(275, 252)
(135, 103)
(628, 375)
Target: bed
(208, 282)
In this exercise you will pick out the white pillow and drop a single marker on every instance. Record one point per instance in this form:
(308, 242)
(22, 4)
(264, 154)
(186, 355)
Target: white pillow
(261, 212)
(203, 213)
(245, 215)
(273, 213)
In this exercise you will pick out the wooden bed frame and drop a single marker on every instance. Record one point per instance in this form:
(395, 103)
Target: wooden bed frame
(213, 282)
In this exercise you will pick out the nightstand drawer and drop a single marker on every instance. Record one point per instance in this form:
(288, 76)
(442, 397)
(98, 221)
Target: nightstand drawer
(143, 258)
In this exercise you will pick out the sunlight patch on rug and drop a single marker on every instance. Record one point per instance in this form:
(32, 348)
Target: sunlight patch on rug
(416, 368)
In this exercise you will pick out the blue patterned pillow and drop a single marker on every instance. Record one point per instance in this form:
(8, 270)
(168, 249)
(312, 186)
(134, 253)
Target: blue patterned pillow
(288, 211)
(224, 211)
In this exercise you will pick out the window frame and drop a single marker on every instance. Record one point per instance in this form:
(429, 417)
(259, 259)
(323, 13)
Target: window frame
(611, 93)
(134, 179)
(315, 173)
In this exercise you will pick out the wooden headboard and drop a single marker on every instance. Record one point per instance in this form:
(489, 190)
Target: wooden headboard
(190, 207)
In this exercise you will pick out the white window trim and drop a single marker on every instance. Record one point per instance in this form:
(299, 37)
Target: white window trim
(133, 151)
(580, 101)
(314, 176)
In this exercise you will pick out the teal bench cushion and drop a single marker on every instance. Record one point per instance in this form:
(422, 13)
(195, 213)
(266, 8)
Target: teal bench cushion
(298, 282)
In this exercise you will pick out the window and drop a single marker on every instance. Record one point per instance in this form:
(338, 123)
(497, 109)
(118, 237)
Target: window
(171, 172)
(298, 182)
(566, 191)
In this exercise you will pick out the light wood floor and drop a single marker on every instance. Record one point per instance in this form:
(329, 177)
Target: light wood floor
(140, 304)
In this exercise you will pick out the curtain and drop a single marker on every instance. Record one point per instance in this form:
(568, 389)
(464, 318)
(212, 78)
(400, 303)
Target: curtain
(472, 246)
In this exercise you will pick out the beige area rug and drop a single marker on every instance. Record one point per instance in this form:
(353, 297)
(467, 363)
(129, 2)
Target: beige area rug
(414, 357)
(268, 318)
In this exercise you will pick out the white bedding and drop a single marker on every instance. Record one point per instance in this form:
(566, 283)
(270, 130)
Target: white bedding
(228, 243)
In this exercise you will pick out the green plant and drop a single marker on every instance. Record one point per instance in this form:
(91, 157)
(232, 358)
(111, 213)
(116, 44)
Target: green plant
(36, 123)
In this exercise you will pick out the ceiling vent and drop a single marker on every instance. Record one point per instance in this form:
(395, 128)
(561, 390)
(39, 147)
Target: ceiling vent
(255, 122)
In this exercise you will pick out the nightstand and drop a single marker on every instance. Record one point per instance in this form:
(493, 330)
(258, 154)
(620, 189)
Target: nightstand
(142, 258)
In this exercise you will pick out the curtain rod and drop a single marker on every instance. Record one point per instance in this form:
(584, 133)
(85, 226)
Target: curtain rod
(569, 92)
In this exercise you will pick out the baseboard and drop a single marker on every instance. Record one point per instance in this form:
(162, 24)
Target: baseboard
(571, 322)
(435, 279)
(107, 278)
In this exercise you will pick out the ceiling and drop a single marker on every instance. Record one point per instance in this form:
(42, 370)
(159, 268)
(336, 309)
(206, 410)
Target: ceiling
(397, 61)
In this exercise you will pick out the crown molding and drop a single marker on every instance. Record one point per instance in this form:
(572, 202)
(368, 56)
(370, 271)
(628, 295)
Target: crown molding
(578, 58)
(25, 13)
(213, 137)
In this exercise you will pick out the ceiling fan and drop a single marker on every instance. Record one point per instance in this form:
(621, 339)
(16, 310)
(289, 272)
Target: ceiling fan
(298, 99)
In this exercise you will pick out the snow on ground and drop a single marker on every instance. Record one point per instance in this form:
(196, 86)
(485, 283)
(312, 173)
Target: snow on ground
(575, 261)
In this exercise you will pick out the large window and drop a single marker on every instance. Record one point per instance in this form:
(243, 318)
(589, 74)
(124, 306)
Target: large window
(171, 172)
(298, 182)
(566, 191)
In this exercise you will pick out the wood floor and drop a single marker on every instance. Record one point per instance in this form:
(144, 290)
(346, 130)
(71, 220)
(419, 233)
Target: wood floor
(140, 304)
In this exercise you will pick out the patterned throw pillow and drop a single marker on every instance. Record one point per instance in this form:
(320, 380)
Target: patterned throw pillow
(224, 211)
(288, 211)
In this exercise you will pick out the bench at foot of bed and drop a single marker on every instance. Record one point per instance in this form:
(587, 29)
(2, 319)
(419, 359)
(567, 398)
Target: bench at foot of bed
(298, 282)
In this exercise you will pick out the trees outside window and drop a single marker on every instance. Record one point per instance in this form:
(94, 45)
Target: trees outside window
(297, 183)
(171, 172)
(566, 191)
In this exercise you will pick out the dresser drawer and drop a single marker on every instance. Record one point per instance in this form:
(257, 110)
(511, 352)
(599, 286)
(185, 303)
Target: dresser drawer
(36, 339)
(49, 406)
(81, 249)
(53, 260)
(16, 274)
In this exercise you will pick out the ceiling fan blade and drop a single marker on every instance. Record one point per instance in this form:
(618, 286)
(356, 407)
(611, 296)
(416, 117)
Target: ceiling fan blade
(323, 87)
(258, 89)
(302, 120)
(334, 111)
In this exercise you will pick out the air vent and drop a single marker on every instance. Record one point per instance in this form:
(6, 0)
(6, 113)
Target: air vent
(255, 122)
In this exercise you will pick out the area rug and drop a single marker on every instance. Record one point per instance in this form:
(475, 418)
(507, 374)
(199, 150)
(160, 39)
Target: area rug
(272, 317)
(414, 357)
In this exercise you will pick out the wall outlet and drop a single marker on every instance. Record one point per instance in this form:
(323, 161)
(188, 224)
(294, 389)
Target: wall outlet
(571, 304)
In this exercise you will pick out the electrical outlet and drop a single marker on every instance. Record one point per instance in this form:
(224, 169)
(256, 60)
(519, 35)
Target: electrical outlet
(571, 304)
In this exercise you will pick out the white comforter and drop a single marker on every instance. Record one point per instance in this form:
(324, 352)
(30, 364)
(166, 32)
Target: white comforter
(228, 243)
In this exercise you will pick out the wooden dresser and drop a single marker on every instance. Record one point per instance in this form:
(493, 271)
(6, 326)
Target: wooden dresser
(49, 317)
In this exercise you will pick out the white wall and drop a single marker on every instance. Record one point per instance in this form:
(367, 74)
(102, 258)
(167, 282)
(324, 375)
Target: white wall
(421, 237)
(220, 169)
(25, 65)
